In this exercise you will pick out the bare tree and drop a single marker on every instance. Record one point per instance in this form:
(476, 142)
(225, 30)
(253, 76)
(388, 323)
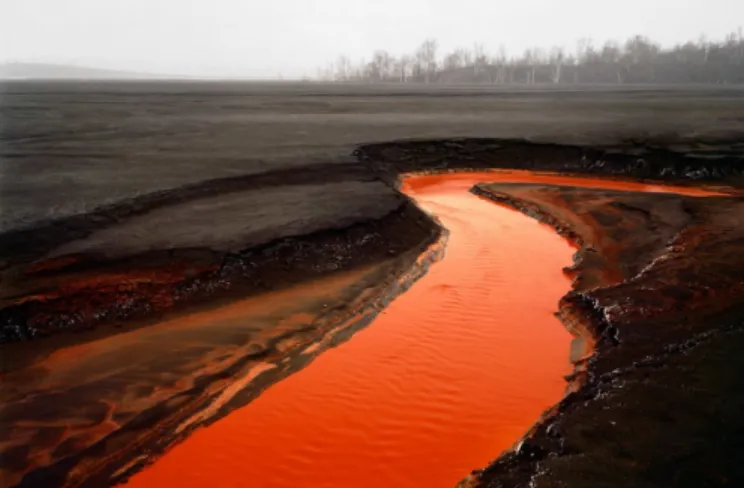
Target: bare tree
(638, 60)
(467, 57)
(381, 66)
(686, 53)
(426, 58)
(403, 68)
(704, 46)
(343, 68)
(480, 58)
(326, 73)
(360, 71)
(731, 47)
(640, 50)
(387, 64)
(612, 55)
(584, 51)
(453, 60)
(529, 61)
(583, 48)
(557, 58)
(501, 63)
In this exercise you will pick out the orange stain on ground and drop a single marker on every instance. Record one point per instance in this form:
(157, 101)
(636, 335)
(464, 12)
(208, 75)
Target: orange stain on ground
(452, 373)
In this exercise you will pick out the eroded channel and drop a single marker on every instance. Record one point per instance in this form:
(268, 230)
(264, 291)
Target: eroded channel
(453, 372)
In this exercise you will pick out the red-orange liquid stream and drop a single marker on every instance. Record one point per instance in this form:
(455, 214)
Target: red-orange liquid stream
(451, 374)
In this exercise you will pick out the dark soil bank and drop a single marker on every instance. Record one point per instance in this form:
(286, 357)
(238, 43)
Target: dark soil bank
(713, 161)
(659, 287)
(142, 267)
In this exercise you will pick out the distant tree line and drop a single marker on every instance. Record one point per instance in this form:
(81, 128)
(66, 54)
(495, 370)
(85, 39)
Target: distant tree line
(638, 60)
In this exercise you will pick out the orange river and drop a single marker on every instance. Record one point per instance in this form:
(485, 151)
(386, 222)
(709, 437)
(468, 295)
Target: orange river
(452, 373)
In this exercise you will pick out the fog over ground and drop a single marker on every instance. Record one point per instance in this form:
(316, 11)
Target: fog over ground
(292, 38)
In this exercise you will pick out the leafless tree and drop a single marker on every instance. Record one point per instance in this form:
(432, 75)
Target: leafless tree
(480, 58)
(640, 50)
(610, 53)
(583, 48)
(686, 53)
(611, 56)
(638, 60)
(453, 60)
(583, 51)
(343, 68)
(426, 58)
(704, 46)
(326, 73)
(467, 57)
(358, 71)
(403, 68)
(528, 59)
(381, 66)
(557, 58)
(501, 63)
(734, 46)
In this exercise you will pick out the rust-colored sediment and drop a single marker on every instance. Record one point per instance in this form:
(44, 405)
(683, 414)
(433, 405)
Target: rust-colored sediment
(444, 379)
(452, 373)
(158, 383)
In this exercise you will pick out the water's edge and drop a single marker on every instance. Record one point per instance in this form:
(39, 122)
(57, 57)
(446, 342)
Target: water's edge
(635, 311)
(354, 318)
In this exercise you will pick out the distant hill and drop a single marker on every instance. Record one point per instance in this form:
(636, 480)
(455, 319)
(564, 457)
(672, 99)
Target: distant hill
(44, 71)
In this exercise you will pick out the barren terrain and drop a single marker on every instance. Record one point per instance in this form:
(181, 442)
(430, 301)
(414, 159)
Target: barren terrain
(132, 204)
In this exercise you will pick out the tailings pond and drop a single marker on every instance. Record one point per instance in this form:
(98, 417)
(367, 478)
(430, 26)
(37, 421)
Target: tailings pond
(452, 373)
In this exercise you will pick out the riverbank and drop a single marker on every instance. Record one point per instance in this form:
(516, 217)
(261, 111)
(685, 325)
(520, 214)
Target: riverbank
(658, 289)
(68, 426)
(441, 380)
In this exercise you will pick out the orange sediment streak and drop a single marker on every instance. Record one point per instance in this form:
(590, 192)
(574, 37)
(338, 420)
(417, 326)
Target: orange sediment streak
(466, 180)
(452, 373)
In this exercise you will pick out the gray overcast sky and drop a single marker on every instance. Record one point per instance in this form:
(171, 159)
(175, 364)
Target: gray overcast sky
(294, 37)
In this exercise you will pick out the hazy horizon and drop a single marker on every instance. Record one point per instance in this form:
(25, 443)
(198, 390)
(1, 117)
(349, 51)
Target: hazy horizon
(292, 38)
